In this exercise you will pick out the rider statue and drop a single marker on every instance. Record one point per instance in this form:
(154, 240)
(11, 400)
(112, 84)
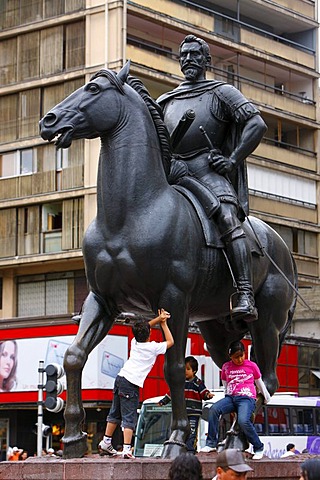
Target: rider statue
(225, 130)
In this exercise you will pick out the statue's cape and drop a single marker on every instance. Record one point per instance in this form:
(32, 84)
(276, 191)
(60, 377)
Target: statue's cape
(185, 87)
(239, 178)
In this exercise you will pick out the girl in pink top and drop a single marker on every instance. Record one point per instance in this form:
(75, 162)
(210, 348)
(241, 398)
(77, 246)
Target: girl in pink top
(240, 378)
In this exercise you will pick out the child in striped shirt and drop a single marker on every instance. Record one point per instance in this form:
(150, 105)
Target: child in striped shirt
(195, 391)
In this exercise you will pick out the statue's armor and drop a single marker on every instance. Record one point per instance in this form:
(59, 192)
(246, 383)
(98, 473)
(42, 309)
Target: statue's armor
(222, 111)
(201, 104)
(217, 107)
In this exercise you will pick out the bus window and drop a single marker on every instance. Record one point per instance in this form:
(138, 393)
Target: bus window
(318, 421)
(259, 423)
(278, 420)
(302, 421)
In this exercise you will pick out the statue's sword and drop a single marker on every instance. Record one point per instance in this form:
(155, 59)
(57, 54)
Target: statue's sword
(181, 129)
(262, 248)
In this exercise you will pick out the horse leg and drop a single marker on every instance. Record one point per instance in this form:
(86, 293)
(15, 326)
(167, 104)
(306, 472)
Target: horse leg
(218, 339)
(93, 327)
(174, 370)
(266, 352)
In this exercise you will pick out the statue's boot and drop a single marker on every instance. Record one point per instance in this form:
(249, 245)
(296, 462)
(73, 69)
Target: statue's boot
(239, 256)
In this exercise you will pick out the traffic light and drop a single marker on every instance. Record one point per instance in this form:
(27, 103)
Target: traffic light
(46, 430)
(54, 387)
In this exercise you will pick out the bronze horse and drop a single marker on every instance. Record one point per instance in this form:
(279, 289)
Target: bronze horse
(145, 249)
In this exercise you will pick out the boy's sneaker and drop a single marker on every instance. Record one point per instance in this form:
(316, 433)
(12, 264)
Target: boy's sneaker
(258, 455)
(208, 449)
(107, 449)
(127, 454)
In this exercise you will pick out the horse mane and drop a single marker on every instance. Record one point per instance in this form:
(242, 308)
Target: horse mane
(153, 107)
(157, 117)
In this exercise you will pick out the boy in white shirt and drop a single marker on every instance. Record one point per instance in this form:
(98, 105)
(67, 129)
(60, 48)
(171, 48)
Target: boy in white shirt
(131, 377)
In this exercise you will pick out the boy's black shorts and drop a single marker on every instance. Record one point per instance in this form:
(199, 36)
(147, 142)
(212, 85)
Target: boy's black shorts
(124, 404)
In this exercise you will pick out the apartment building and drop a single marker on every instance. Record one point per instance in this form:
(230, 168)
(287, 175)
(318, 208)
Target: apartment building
(47, 198)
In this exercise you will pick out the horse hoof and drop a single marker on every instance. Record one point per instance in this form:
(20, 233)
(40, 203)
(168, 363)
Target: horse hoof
(173, 449)
(75, 447)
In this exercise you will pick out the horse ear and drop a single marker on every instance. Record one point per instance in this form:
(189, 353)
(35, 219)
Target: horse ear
(124, 72)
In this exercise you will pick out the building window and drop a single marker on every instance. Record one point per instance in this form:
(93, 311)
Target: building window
(9, 116)
(299, 241)
(29, 55)
(8, 61)
(74, 45)
(25, 56)
(19, 162)
(8, 164)
(20, 113)
(51, 227)
(20, 12)
(37, 294)
(284, 186)
(29, 109)
(309, 370)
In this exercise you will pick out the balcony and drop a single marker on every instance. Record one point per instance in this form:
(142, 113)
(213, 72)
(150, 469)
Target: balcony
(278, 208)
(292, 104)
(166, 64)
(286, 156)
(273, 47)
(274, 39)
(306, 8)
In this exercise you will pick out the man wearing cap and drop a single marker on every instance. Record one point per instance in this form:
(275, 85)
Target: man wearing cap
(231, 465)
(14, 454)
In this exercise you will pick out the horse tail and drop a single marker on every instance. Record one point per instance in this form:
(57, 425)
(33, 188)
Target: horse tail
(292, 308)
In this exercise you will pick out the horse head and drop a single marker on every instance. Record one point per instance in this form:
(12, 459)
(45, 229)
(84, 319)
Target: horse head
(89, 111)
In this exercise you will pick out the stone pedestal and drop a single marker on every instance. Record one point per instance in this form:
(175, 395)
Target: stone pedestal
(94, 467)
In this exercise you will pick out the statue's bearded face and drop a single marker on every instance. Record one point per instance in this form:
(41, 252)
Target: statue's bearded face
(192, 61)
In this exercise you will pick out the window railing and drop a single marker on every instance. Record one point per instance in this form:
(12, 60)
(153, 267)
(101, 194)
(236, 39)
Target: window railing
(272, 196)
(231, 77)
(289, 146)
(239, 23)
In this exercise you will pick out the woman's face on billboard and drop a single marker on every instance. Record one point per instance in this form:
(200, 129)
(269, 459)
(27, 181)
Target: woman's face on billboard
(7, 359)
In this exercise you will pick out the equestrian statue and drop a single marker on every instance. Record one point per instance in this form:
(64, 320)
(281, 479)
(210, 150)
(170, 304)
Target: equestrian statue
(169, 232)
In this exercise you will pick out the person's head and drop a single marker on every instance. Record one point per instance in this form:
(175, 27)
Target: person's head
(194, 58)
(236, 352)
(310, 469)
(231, 465)
(23, 455)
(191, 367)
(186, 467)
(290, 446)
(8, 364)
(141, 331)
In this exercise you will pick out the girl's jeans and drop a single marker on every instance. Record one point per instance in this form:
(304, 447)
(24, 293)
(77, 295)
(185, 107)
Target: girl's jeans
(244, 407)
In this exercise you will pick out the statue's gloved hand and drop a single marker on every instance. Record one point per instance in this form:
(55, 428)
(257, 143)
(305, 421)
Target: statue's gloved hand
(221, 164)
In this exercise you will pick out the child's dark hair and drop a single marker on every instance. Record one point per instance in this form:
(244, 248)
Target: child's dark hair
(186, 467)
(192, 362)
(141, 330)
(235, 347)
(310, 469)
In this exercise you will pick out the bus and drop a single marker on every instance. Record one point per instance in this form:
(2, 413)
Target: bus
(287, 418)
